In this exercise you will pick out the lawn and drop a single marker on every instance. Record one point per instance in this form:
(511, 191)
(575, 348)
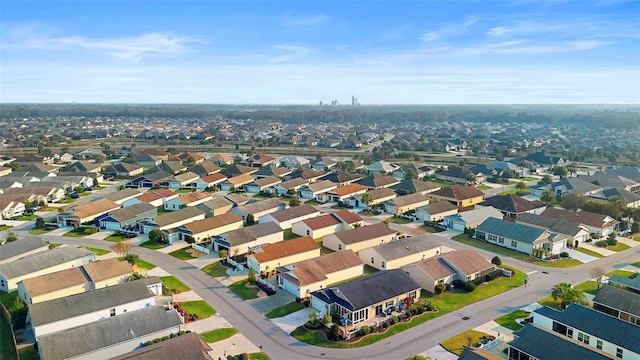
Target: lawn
(636, 264)
(563, 263)
(483, 187)
(151, 245)
(97, 251)
(514, 192)
(198, 307)
(26, 217)
(28, 353)
(36, 231)
(622, 273)
(145, 265)
(215, 269)
(428, 229)
(509, 320)
(184, 191)
(445, 303)
(288, 234)
(77, 233)
(618, 247)
(173, 284)
(529, 179)
(5, 227)
(182, 254)
(458, 343)
(312, 202)
(7, 349)
(637, 238)
(284, 310)
(396, 220)
(588, 287)
(588, 252)
(245, 293)
(218, 334)
(117, 238)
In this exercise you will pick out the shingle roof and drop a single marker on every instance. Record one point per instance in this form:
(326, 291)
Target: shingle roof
(21, 246)
(122, 194)
(177, 216)
(340, 177)
(459, 192)
(188, 346)
(322, 185)
(157, 175)
(268, 181)
(286, 248)
(188, 198)
(610, 180)
(348, 189)
(293, 183)
(63, 279)
(107, 269)
(625, 281)
(294, 212)
(217, 202)
(512, 203)
(511, 230)
(237, 198)
(436, 268)
(211, 223)
(542, 343)
(467, 261)
(377, 180)
(347, 216)
(273, 171)
(67, 307)
(408, 186)
(217, 177)
(42, 260)
(251, 233)
(131, 212)
(316, 269)
(97, 207)
(409, 199)
(556, 225)
(440, 207)
(404, 247)
(576, 185)
(259, 206)
(241, 179)
(364, 233)
(382, 193)
(584, 217)
(595, 323)
(620, 299)
(104, 333)
(236, 169)
(321, 221)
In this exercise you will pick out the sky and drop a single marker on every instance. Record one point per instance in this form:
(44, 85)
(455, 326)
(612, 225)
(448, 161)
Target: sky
(304, 52)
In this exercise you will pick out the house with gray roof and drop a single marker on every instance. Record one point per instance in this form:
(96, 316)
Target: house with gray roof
(436, 211)
(285, 218)
(471, 219)
(619, 303)
(367, 297)
(127, 217)
(398, 253)
(111, 336)
(577, 231)
(216, 206)
(612, 181)
(42, 263)
(410, 186)
(570, 185)
(595, 329)
(630, 283)
(240, 241)
(259, 208)
(86, 307)
(512, 206)
(14, 250)
(188, 346)
(520, 237)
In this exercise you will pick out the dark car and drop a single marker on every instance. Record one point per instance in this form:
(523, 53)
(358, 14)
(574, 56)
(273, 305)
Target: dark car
(29, 211)
(74, 195)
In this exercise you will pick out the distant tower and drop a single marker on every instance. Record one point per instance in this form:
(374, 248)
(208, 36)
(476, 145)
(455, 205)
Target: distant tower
(320, 102)
(353, 100)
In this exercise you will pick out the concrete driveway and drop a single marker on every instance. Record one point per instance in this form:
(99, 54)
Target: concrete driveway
(290, 322)
(583, 258)
(267, 303)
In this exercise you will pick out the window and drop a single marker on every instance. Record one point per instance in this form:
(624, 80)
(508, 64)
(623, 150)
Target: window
(372, 261)
(570, 333)
(492, 237)
(599, 344)
(308, 233)
(441, 281)
(339, 246)
(382, 264)
(413, 294)
(501, 240)
(514, 243)
(619, 353)
(583, 337)
(112, 312)
(634, 320)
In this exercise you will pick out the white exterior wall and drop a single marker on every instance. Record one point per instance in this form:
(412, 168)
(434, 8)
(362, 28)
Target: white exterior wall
(173, 204)
(287, 224)
(12, 284)
(28, 299)
(287, 260)
(520, 245)
(244, 248)
(92, 317)
(217, 231)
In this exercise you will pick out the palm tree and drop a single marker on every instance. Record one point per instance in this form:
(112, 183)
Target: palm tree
(567, 294)
(366, 199)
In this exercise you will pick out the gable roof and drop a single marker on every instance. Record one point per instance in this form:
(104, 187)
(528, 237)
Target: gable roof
(620, 299)
(408, 186)
(237, 199)
(188, 198)
(512, 203)
(584, 217)
(340, 177)
(377, 180)
(107, 269)
(321, 221)
(363, 233)
(121, 194)
(108, 332)
(214, 222)
(293, 183)
(240, 179)
(436, 268)
(205, 168)
(282, 249)
(131, 212)
(156, 176)
(404, 247)
(347, 216)
(272, 171)
(306, 173)
(556, 225)
(177, 216)
(251, 233)
(439, 207)
(610, 180)
(511, 230)
(211, 178)
(576, 185)
(259, 206)
(316, 269)
(322, 185)
(236, 169)
(382, 193)
(348, 189)
(294, 212)
(62, 279)
(216, 202)
(21, 246)
(625, 281)
(409, 199)
(188, 346)
(459, 192)
(467, 261)
(267, 181)
(42, 260)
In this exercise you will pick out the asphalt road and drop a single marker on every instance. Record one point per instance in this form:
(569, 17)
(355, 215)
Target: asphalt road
(279, 345)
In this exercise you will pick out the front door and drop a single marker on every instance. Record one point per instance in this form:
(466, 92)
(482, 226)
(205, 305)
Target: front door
(379, 309)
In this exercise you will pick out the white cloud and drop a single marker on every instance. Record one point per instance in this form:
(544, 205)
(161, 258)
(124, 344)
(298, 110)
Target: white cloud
(449, 29)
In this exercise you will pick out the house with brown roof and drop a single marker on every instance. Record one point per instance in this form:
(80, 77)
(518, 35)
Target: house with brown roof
(204, 168)
(259, 208)
(202, 230)
(461, 196)
(264, 259)
(191, 158)
(359, 238)
(378, 196)
(342, 178)
(85, 213)
(317, 190)
(235, 170)
(377, 181)
(156, 197)
(350, 218)
(174, 219)
(464, 265)
(260, 160)
(319, 226)
(216, 206)
(243, 240)
(287, 217)
(436, 211)
(182, 181)
(304, 277)
(343, 193)
(405, 203)
(222, 160)
(401, 252)
(88, 277)
(512, 206)
(263, 185)
(207, 182)
(290, 187)
(601, 225)
(236, 182)
(186, 200)
(309, 175)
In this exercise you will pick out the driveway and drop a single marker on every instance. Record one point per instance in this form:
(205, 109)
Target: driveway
(264, 304)
(292, 321)
(583, 258)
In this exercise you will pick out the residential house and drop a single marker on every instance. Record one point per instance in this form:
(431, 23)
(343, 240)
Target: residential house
(471, 219)
(265, 258)
(571, 185)
(207, 182)
(121, 196)
(382, 167)
(202, 230)
(461, 196)
(436, 212)
(269, 171)
(82, 166)
(172, 220)
(25, 246)
(236, 183)
(289, 187)
(191, 158)
(342, 194)
(147, 160)
(262, 185)
(625, 282)
(520, 237)
(4, 171)
(31, 193)
(542, 160)
(10, 208)
(323, 163)
(294, 162)
(366, 298)
(579, 233)
(126, 218)
(304, 277)
(76, 280)
(186, 200)
(222, 160)
(243, 240)
(464, 265)
(237, 199)
(182, 181)
(461, 175)
(342, 178)
(405, 203)
(378, 196)
(613, 181)
(216, 206)
(148, 181)
(398, 253)
(258, 209)
(310, 175)
(235, 170)
(413, 186)
(188, 346)
(377, 181)
(172, 167)
(122, 170)
(359, 238)
(110, 337)
(85, 213)
(598, 224)
(619, 303)
(287, 217)
(205, 168)
(260, 160)
(42, 263)
(631, 199)
(323, 225)
(597, 330)
(411, 171)
(513, 206)
(156, 197)
(317, 190)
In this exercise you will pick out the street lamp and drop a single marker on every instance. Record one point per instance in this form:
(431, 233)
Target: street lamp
(260, 352)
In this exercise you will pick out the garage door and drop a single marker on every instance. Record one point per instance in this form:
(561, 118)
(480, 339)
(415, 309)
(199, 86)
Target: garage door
(458, 226)
(111, 225)
(288, 286)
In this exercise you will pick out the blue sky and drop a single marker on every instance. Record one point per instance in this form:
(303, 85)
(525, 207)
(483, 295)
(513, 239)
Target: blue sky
(302, 52)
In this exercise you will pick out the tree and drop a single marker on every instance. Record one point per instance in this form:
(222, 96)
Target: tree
(635, 227)
(560, 171)
(546, 180)
(223, 253)
(496, 261)
(611, 240)
(573, 201)
(137, 276)
(470, 179)
(155, 235)
(366, 199)
(40, 223)
(122, 248)
(250, 220)
(566, 294)
(522, 187)
(294, 202)
(597, 273)
(11, 236)
(548, 197)
(313, 315)
(252, 276)
(132, 259)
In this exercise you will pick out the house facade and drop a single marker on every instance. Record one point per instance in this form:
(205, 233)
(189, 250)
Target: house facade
(520, 237)
(395, 254)
(359, 238)
(265, 259)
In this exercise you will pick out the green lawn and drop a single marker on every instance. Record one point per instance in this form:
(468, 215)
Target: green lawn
(312, 202)
(483, 187)
(174, 285)
(215, 269)
(28, 353)
(563, 263)
(184, 191)
(509, 320)
(5, 227)
(514, 192)
(637, 238)
(529, 179)
(97, 251)
(288, 235)
(144, 264)
(396, 220)
(445, 303)
(182, 254)
(284, 310)
(245, 293)
(117, 238)
(428, 229)
(618, 247)
(198, 307)
(26, 217)
(151, 245)
(622, 273)
(458, 343)
(36, 231)
(7, 350)
(77, 233)
(588, 287)
(218, 334)
(588, 252)
(636, 264)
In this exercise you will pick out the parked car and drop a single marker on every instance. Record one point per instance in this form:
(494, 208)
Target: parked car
(29, 211)
(88, 188)
(74, 195)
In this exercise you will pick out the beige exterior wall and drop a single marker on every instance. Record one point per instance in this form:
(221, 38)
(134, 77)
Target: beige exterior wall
(28, 299)
(404, 209)
(183, 222)
(112, 281)
(462, 203)
(332, 278)
(244, 248)
(301, 229)
(370, 243)
(12, 284)
(367, 254)
(287, 260)
(217, 231)
(424, 280)
(222, 210)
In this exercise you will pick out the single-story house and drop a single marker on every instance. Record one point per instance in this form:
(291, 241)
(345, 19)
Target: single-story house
(323, 225)
(405, 203)
(343, 193)
(208, 182)
(290, 186)
(579, 233)
(186, 200)
(49, 194)
(172, 220)
(182, 181)
(395, 254)
(262, 185)
(242, 240)
(342, 178)
(188, 346)
(378, 196)
(264, 259)
(201, 230)
(471, 219)
(156, 197)
(436, 212)
(85, 213)
(148, 181)
(317, 190)
(413, 186)
(259, 208)
(287, 217)
(381, 167)
(121, 196)
(461, 175)
(222, 160)
(359, 238)
(122, 170)
(571, 185)
(268, 171)
(10, 208)
(598, 224)
(304, 277)
(216, 206)
(260, 160)
(520, 237)
(236, 182)
(619, 303)
(205, 167)
(377, 181)
(293, 162)
(512, 206)
(461, 196)
(126, 218)
(236, 170)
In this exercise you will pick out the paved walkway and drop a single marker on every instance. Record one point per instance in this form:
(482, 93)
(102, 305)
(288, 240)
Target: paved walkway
(290, 322)
(157, 271)
(439, 353)
(211, 323)
(203, 261)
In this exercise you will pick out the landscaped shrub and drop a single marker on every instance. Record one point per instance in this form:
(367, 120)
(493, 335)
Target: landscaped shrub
(429, 306)
(334, 334)
(420, 309)
(458, 284)
(564, 254)
(496, 261)
(364, 330)
(477, 281)
(469, 286)
(393, 320)
(89, 231)
(326, 319)
(602, 244)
